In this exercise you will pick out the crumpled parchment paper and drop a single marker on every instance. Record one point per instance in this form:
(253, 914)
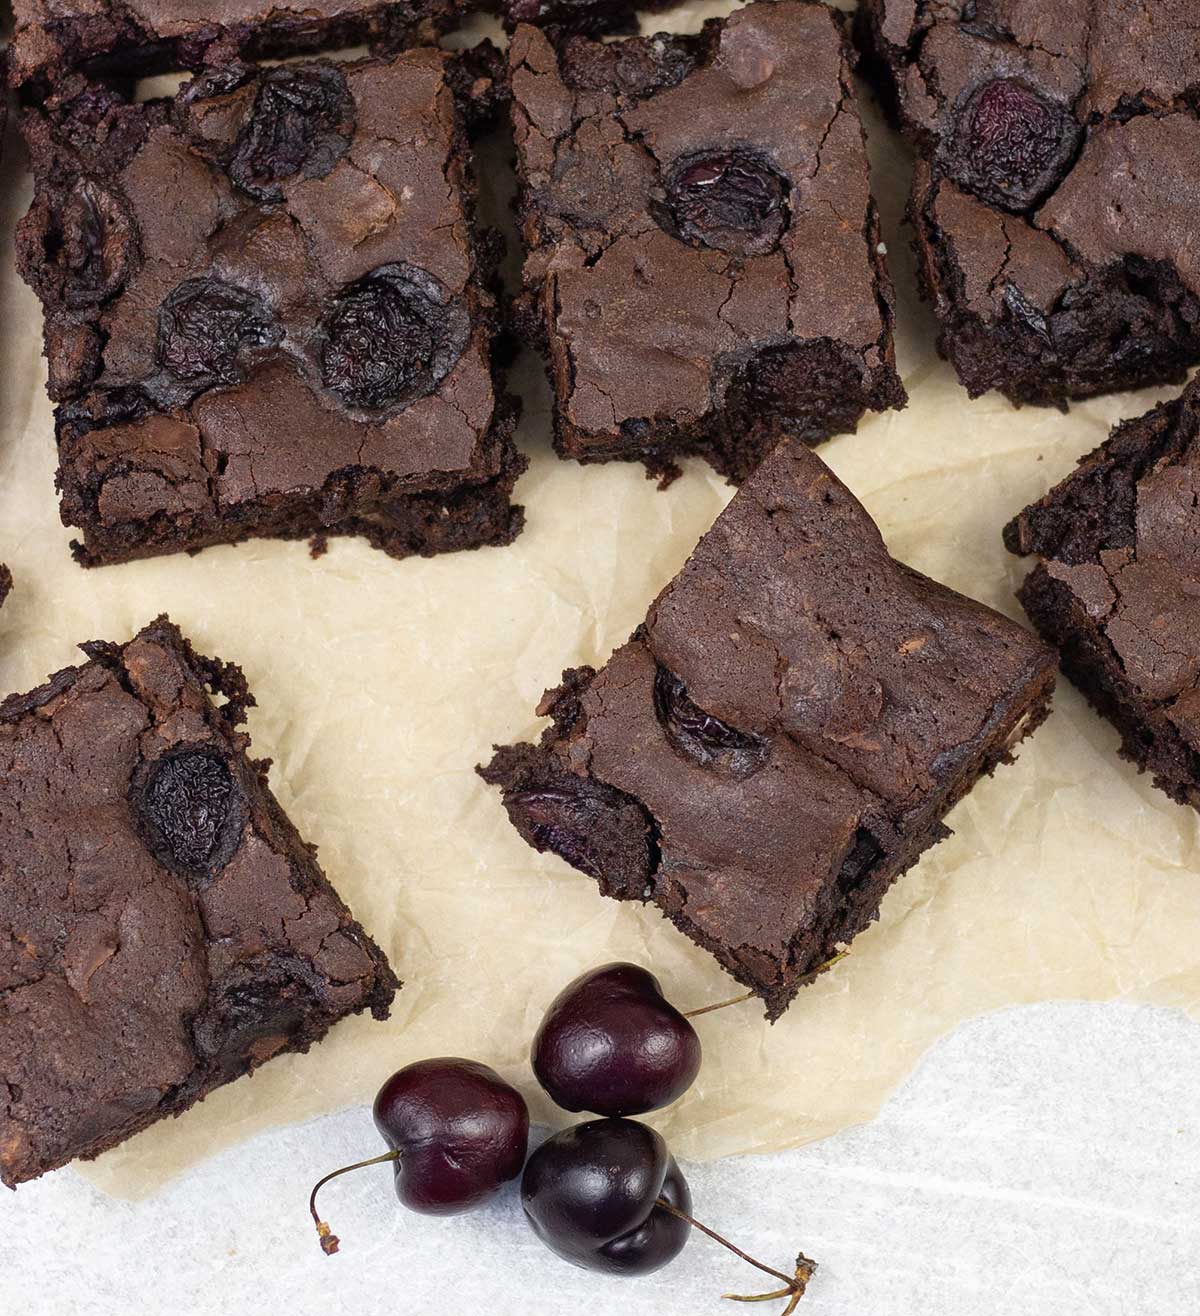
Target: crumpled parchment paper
(381, 684)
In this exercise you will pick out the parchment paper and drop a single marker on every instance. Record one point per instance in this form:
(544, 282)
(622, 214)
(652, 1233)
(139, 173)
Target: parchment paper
(382, 683)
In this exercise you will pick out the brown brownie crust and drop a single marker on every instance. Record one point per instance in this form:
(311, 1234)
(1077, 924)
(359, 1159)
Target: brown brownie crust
(136, 973)
(783, 736)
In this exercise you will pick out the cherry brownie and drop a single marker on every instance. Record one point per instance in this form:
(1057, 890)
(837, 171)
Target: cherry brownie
(163, 927)
(268, 312)
(784, 734)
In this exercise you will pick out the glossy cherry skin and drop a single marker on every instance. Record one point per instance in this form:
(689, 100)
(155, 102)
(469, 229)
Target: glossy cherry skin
(590, 1194)
(461, 1131)
(610, 1043)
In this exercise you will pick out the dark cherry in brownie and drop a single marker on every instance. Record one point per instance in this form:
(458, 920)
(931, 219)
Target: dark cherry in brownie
(163, 928)
(582, 17)
(267, 313)
(136, 36)
(1055, 193)
(703, 267)
(1117, 586)
(782, 737)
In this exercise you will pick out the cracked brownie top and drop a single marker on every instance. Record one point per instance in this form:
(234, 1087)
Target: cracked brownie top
(783, 734)
(1057, 193)
(1120, 540)
(163, 928)
(699, 226)
(262, 284)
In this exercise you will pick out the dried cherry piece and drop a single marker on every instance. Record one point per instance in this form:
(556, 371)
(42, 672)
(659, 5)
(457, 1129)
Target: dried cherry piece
(205, 325)
(1013, 144)
(701, 735)
(390, 338)
(192, 811)
(302, 122)
(89, 242)
(725, 200)
(594, 827)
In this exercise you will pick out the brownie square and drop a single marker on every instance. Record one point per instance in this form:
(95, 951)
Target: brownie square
(130, 37)
(1055, 194)
(703, 266)
(267, 311)
(163, 927)
(784, 734)
(1117, 586)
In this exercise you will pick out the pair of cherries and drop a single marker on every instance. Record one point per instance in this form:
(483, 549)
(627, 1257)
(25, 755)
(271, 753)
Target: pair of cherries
(606, 1194)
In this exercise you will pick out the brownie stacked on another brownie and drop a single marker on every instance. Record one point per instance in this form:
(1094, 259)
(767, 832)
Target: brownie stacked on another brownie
(703, 265)
(782, 737)
(1057, 188)
(267, 313)
(135, 36)
(1117, 587)
(163, 928)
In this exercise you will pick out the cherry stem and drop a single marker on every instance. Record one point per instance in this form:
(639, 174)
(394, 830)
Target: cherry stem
(719, 1005)
(746, 996)
(329, 1240)
(795, 1286)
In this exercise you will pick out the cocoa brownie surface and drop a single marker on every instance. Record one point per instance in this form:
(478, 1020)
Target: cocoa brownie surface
(1057, 183)
(163, 928)
(702, 263)
(1117, 586)
(783, 735)
(267, 313)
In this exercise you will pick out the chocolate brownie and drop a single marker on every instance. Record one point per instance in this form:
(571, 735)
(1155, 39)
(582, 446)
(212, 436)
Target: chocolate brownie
(703, 266)
(782, 737)
(129, 37)
(163, 928)
(1055, 193)
(6, 582)
(267, 313)
(1117, 586)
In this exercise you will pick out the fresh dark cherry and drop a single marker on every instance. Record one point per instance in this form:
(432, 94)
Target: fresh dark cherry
(611, 1044)
(729, 201)
(607, 1195)
(457, 1132)
(302, 121)
(205, 325)
(1013, 144)
(592, 1194)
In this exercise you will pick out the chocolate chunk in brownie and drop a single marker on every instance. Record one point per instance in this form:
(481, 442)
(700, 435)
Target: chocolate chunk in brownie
(782, 737)
(163, 927)
(268, 313)
(1055, 194)
(1117, 586)
(703, 266)
(131, 37)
